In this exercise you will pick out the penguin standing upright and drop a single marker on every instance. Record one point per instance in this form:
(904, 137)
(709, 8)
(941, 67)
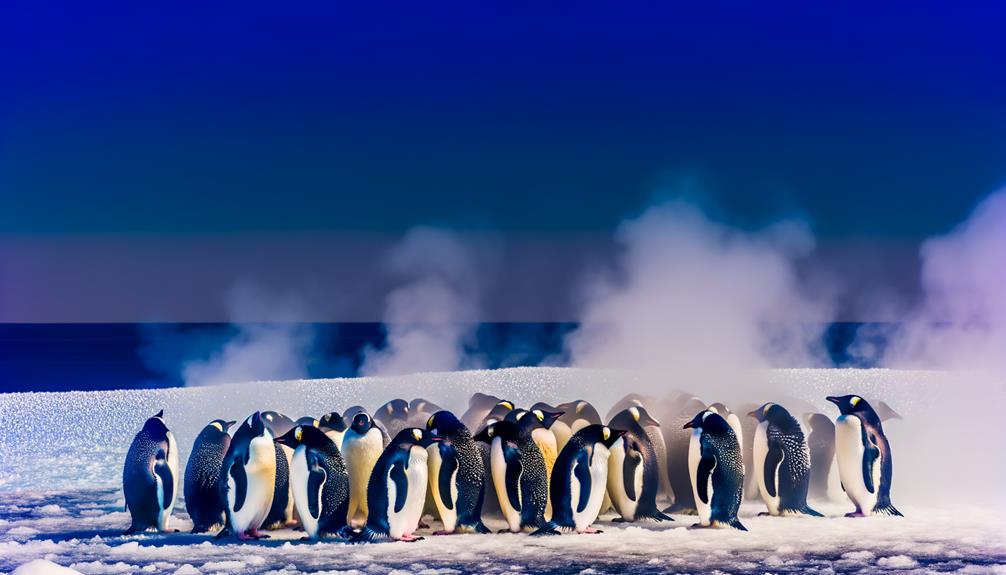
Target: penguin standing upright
(281, 513)
(498, 411)
(334, 426)
(678, 443)
(560, 429)
(781, 461)
(393, 416)
(396, 491)
(318, 480)
(518, 471)
(150, 476)
(864, 457)
(361, 446)
(821, 442)
(202, 476)
(537, 424)
(633, 477)
(716, 468)
(580, 478)
(248, 478)
(457, 475)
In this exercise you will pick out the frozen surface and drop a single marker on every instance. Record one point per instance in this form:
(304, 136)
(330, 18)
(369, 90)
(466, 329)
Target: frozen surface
(61, 457)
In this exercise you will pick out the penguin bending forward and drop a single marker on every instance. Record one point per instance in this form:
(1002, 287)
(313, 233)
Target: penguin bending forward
(248, 479)
(716, 469)
(202, 476)
(864, 457)
(457, 475)
(633, 476)
(319, 481)
(781, 461)
(518, 471)
(580, 478)
(150, 476)
(397, 489)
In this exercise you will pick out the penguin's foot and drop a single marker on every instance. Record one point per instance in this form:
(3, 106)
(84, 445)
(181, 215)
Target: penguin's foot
(591, 531)
(481, 528)
(699, 526)
(505, 530)
(546, 530)
(410, 538)
(764, 514)
(620, 520)
(856, 513)
(226, 531)
(659, 516)
(444, 532)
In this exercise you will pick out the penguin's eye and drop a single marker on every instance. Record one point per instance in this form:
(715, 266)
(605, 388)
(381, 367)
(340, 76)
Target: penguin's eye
(854, 401)
(539, 415)
(417, 434)
(606, 433)
(429, 422)
(298, 433)
(634, 412)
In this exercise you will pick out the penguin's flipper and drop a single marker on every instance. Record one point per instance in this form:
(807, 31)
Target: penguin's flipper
(886, 509)
(581, 470)
(514, 470)
(705, 469)
(736, 524)
(237, 472)
(315, 483)
(448, 466)
(632, 460)
(773, 459)
(870, 456)
(397, 474)
(163, 472)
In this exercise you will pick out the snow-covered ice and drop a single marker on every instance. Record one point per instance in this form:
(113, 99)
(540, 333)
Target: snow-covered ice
(61, 500)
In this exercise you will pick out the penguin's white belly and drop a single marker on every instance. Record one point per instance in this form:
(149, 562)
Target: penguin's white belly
(562, 433)
(578, 425)
(361, 454)
(849, 453)
(288, 512)
(546, 442)
(299, 474)
(164, 515)
(705, 510)
(261, 476)
(760, 453)
(625, 506)
(406, 521)
(498, 464)
(449, 517)
(598, 486)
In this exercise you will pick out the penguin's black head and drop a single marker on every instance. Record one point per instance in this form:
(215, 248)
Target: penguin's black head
(256, 424)
(505, 430)
(277, 423)
(420, 405)
(542, 406)
(768, 412)
(306, 435)
(483, 400)
(414, 436)
(720, 408)
(362, 423)
(394, 409)
(332, 422)
(635, 415)
(219, 426)
(596, 433)
(155, 425)
(444, 424)
(579, 409)
(538, 418)
(851, 404)
(515, 415)
(499, 411)
(308, 421)
(710, 422)
(351, 412)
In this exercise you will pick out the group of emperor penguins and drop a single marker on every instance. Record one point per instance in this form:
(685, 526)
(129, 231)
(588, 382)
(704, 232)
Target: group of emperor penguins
(362, 477)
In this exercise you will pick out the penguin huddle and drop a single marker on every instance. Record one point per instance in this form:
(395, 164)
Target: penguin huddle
(363, 477)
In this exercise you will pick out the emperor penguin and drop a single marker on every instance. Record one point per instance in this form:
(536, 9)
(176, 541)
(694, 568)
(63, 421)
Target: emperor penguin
(864, 457)
(362, 445)
(334, 426)
(479, 406)
(578, 414)
(457, 475)
(821, 442)
(498, 411)
(781, 461)
(277, 422)
(281, 512)
(248, 478)
(306, 421)
(580, 478)
(150, 476)
(678, 444)
(633, 476)
(202, 476)
(538, 424)
(319, 481)
(393, 416)
(716, 469)
(560, 429)
(518, 472)
(397, 488)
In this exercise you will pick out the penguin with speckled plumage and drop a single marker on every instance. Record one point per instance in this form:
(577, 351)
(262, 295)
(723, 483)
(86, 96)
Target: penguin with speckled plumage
(334, 426)
(248, 478)
(457, 475)
(864, 457)
(362, 446)
(397, 488)
(633, 474)
(202, 476)
(781, 461)
(538, 424)
(318, 480)
(150, 476)
(518, 471)
(716, 469)
(580, 478)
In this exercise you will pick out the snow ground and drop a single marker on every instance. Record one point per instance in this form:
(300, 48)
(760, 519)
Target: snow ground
(61, 457)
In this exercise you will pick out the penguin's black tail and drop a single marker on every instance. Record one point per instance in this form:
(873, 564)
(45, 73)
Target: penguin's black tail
(736, 524)
(547, 528)
(807, 510)
(887, 509)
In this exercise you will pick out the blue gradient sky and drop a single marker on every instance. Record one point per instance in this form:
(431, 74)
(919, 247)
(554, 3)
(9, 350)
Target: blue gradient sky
(875, 122)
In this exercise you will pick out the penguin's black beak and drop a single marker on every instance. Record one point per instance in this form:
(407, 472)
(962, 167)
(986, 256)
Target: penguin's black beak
(228, 424)
(482, 436)
(689, 425)
(833, 399)
(754, 413)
